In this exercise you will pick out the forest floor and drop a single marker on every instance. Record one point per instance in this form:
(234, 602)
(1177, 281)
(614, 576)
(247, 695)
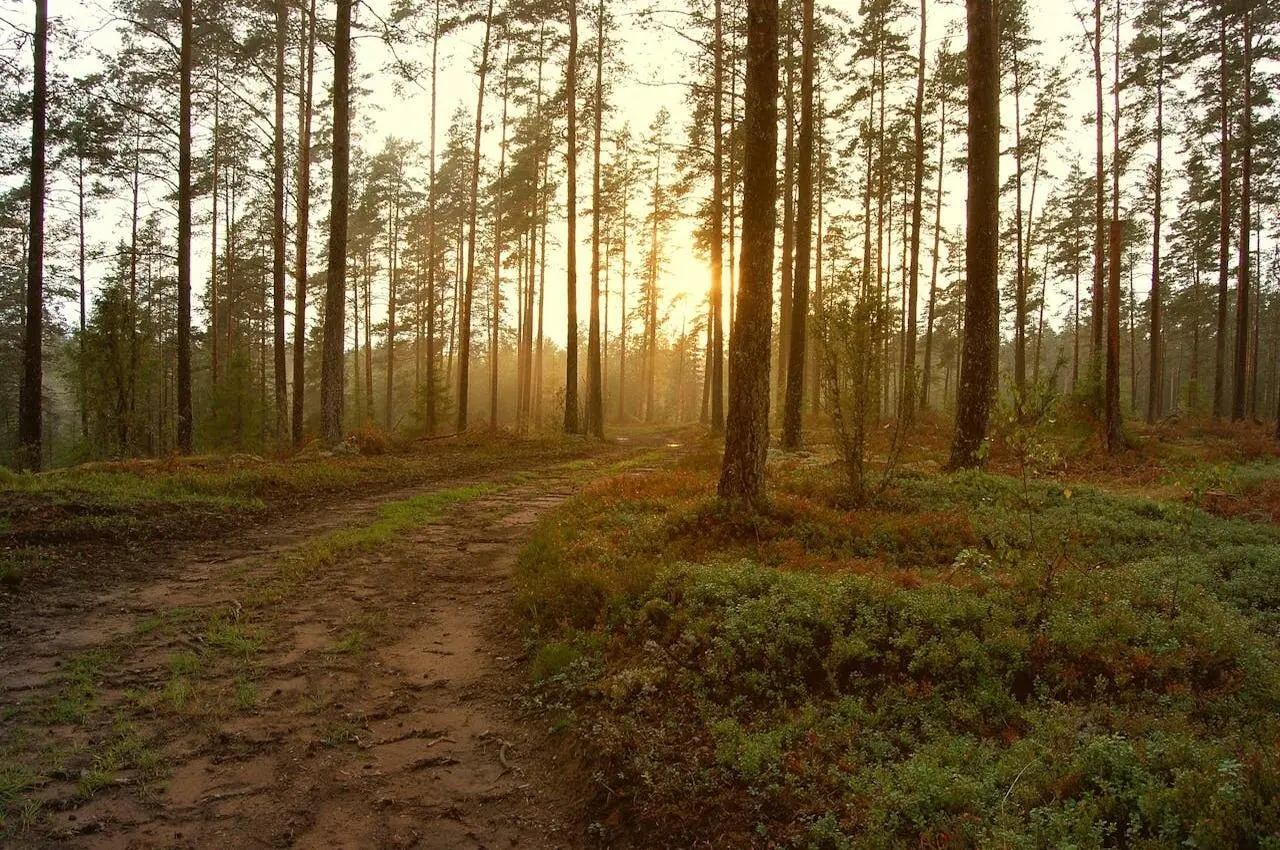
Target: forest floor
(236, 652)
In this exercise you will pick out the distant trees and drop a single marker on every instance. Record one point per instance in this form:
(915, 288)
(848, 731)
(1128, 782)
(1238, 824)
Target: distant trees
(172, 153)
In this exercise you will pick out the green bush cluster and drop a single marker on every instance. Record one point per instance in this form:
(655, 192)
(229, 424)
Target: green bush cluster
(1095, 671)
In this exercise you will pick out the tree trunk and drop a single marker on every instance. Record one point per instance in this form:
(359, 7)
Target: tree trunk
(187, 64)
(464, 329)
(1099, 201)
(1239, 393)
(927, 376)
(1224, 226)
(30, 407)
(1020, 278)
(907, 406)
(278, 236)
(976, 392)
(571, 242)
(717, 231)
(495, 327)
(595, 378)
(747, 427)
(787, 288)
(792, 419)
(1115, 439)
(1155, 384)
(432, 259)
(331, 395)
(301, 232)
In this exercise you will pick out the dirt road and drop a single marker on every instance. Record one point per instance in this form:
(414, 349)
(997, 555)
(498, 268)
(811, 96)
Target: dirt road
(370, 701)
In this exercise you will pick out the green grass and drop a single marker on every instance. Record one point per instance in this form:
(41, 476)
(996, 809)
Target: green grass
(970, 662)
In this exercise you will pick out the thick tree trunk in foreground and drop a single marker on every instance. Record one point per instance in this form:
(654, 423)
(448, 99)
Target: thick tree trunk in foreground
(331, 392)
(982, 296)
(747, 428)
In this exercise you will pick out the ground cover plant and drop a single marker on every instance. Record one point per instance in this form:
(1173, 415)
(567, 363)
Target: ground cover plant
(975, 659)
(72, 522)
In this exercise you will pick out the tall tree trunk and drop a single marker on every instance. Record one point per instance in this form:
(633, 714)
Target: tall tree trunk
(1224, 225)
(787, 289)
(595, 378)
(331, 394)
(747, 427)
(1239, 392)
(464, 329)
(1115, 438)
(213, 231)
(717, 229)
(793, 412)
(1020, 278)
(393, 284)
(1155, 384)
(278, 236)
(976, 392)
(927, 377)
(571, 243)
(306, 91)
(30, 407)
(497, 245)
(1099, 202)
(432, 258)
(187, 64)
(84, 374)
(908, 406)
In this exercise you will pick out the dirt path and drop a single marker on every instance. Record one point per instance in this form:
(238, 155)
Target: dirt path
(373, 703)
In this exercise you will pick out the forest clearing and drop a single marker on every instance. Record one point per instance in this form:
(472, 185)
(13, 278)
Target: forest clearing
(776, 424)
(559, 643)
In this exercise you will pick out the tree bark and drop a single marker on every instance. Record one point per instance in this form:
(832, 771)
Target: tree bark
(717, 231)
(464, 329)
(595, 378)
(1239, 392)
(747, 427)
(976, 392)
(1224, 228)
(331, 393)
(278, 236)
(30, 404)
(302, 234)
(792, 419)
(908, 402)
(1155, 394)
(186, 67)
(571, 242)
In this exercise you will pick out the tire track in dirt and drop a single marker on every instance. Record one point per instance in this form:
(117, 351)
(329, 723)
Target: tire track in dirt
(386, 711)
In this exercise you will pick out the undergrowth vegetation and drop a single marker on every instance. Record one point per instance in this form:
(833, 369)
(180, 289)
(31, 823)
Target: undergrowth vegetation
(971, 660)
(58, 523)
